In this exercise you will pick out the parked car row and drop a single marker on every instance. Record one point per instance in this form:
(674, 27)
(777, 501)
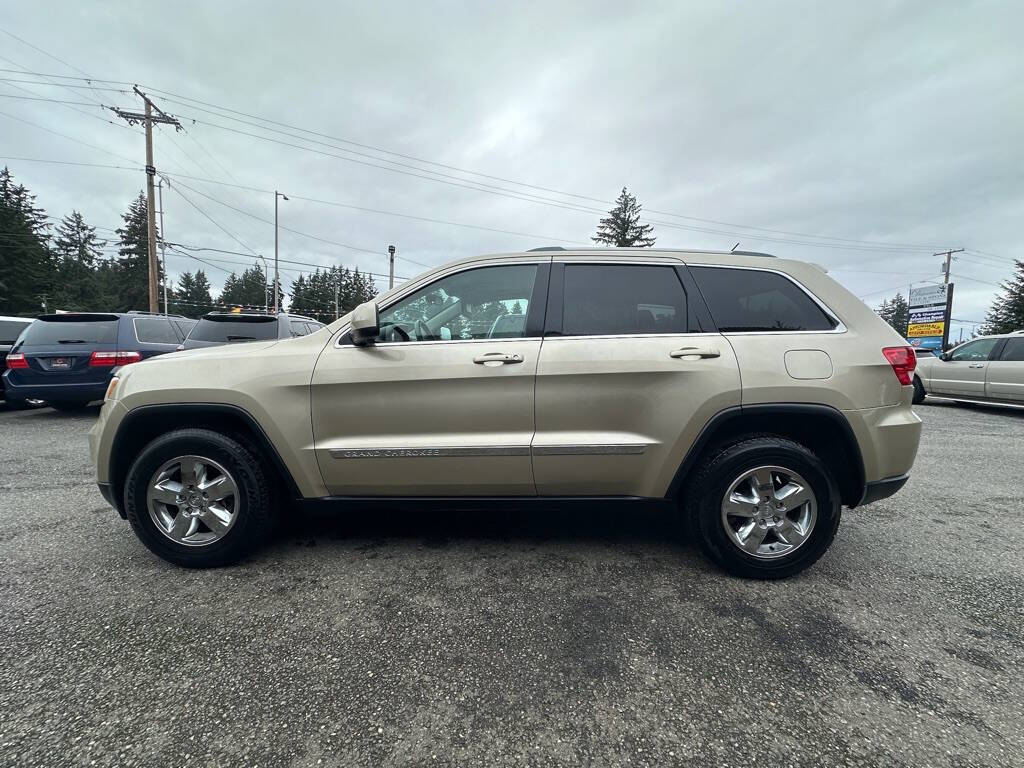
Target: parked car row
(989, 369)
(68, 359)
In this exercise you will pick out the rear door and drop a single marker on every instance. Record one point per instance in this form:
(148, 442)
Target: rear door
(964, 372)
(1005, 374)
(630, 371)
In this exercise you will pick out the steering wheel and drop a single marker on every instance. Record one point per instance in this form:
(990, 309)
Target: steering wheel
(421, 330)
(399, 331)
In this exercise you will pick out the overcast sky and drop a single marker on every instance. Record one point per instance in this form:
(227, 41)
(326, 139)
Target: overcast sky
(894, 123)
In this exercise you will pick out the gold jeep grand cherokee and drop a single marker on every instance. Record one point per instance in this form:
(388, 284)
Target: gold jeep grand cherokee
(753, 395)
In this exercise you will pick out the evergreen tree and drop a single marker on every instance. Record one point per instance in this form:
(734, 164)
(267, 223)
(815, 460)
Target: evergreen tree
(622, 227)
(248, 290)
(1007, 312)
(127, 285)
(26, 269)
(192, 295)
(896, 313)
(76, 251)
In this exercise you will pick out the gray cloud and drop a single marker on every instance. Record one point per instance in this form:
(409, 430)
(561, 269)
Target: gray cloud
(892, 122)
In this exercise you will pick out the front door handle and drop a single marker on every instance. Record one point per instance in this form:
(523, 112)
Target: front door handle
(497, 358)
(700, 352)
(976, 365)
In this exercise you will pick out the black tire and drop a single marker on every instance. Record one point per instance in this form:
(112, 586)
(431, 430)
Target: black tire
(71, 406)
(256, 514)
(919, 392)
(709, 486)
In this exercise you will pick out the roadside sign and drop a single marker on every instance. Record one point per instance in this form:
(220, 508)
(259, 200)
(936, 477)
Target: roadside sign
(928, 319)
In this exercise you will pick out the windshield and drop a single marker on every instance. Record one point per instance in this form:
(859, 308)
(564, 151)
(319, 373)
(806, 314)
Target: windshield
(102, 330)
(256, 329)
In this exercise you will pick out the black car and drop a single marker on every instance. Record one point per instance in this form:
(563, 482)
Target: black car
(67, 359)
(218, 328)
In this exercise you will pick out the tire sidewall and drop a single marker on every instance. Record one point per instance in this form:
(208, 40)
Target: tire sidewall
(250, 525)
(733, 462)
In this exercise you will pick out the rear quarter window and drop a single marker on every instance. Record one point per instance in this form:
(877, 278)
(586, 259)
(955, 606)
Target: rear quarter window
(155, 330)
(757, 300)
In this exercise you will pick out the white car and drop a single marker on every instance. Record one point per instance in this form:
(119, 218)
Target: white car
(989, 369)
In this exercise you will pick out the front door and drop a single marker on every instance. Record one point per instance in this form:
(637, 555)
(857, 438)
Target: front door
(628, 376)
(442, 403)
(964, 372)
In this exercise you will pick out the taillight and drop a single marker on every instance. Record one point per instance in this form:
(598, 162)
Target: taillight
(903, 362)
(16, 360)
(111, 359)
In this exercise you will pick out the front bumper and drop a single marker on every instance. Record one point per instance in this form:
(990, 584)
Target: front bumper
(108, 496)
(882, 489)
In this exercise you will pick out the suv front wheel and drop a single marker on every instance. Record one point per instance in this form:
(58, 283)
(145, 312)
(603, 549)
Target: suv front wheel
(198, 498)
(764, 507)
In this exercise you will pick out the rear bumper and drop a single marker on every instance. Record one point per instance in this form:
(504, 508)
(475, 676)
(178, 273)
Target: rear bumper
(882, 489)
(56, 392)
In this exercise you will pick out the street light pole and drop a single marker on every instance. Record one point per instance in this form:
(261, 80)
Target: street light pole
(277, 282)
(163, 238)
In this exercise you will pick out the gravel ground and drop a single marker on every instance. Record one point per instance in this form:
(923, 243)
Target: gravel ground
(516, 639)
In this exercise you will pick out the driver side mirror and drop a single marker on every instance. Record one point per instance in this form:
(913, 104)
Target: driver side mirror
(365, 324)
(945, 356)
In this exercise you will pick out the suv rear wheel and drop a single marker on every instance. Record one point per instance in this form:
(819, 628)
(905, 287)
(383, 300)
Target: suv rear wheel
(199, 498)
(764, 507)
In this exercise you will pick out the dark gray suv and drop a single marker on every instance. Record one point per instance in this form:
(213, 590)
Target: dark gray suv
(218, 328)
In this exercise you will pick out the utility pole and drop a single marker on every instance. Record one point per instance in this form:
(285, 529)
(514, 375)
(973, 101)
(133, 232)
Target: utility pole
(163, 237)
(147, 119)
(276, 280)
(337, 287)
(949, 261)
(391, 270)
(266, 286)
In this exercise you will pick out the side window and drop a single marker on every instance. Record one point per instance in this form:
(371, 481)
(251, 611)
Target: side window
(616, 299)
(974, 350)
(481, 303)
(1013, 351)
(298, 327)
(183, 326)
(155, 330)
(755, 300)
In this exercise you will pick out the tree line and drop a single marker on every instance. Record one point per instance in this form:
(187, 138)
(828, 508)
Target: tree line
(68, 267)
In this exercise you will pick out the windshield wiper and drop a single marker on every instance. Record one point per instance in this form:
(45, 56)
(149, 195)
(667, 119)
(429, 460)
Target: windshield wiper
(72, 341)
(241, 338)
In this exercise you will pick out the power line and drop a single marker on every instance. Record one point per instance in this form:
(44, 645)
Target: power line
(209, 218)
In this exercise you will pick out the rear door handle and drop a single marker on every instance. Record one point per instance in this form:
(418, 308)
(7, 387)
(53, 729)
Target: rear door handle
(701, 352)
(498, 358)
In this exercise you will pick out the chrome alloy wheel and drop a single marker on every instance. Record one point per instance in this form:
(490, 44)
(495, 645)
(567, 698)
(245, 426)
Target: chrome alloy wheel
(768, 512)
(192, 500)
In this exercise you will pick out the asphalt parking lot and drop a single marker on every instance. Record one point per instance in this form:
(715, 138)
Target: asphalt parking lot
(518, 639)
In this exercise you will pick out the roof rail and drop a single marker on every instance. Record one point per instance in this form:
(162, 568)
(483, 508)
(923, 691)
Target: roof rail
(754, 253)
(546, 248)
(158, 314)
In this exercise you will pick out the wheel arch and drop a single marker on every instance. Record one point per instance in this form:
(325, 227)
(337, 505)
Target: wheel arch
(141, 425)
(821, 428)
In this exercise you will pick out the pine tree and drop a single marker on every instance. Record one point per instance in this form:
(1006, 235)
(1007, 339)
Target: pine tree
(896, 313)
(127, 285)
(26, 268)
(1007, 312)
(192, 295)
(76, 251)
(622, 227)
(248, 291)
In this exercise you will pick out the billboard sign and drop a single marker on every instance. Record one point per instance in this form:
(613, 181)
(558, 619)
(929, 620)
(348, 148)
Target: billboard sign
(929, 316)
